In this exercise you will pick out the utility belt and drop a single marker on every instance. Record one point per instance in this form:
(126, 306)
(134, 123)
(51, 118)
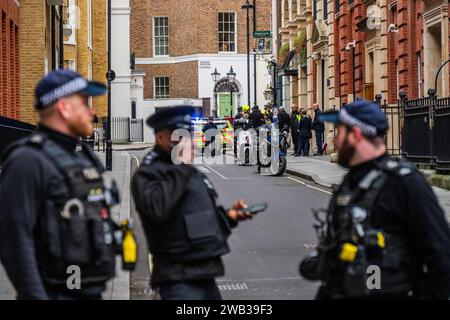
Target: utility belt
(356, 259)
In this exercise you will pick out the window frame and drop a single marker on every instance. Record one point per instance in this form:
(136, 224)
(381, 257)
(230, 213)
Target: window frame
(235, 32)
(89, 23)
(159, 86)
(160, 37)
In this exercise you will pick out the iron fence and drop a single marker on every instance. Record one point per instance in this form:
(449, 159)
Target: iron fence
(426, 137)
(123, 130)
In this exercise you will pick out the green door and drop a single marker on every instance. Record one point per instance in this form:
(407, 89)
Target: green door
(224, 105)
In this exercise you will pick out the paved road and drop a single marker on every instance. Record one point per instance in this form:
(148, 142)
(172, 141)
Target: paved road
(266, 251)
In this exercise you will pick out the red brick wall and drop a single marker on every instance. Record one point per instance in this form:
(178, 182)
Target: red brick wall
(403, 48)
(9, 58)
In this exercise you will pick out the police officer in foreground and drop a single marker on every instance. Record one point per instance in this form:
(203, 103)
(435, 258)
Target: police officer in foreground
(185, 228)
(54, 213)
(384, 234)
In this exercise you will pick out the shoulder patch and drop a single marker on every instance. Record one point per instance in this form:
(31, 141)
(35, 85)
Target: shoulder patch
(399, 167)
(150, 158)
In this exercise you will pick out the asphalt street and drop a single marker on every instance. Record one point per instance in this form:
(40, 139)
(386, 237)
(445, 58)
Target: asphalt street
(265, 251)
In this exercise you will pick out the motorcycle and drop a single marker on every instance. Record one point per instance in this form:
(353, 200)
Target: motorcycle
(243, 141)
(265, 134)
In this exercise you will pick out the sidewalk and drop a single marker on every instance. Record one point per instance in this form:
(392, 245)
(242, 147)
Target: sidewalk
(325, 173)
(119, 287)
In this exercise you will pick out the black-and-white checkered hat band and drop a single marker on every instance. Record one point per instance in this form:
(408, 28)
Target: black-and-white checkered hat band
(64, 90)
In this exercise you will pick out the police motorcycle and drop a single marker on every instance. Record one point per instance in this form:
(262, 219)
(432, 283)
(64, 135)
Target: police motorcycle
(266, 135)
(245, 141)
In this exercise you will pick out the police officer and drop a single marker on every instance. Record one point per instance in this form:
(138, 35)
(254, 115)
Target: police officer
(54, 213)
(185, 228)
(384, 235)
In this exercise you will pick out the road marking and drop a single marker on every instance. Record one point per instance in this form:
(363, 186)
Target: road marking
(216, 172)
(233, 286)
(260, 279)
(203, 169)
(309, 186)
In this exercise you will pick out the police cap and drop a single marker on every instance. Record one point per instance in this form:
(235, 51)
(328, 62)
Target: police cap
(363, 114)
(178, 117)
(62, 83)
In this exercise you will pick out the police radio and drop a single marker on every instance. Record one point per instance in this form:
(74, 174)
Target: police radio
(129, 247)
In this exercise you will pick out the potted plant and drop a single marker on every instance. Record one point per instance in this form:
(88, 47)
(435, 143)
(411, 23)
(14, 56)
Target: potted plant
(284, 51)
(299, 42)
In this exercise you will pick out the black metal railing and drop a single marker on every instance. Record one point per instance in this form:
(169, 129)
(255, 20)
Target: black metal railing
(393, 136)
(12, 130)
(123, 129)
(426, 137)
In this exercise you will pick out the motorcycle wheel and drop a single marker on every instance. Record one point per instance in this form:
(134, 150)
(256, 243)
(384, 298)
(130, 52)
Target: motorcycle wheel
(282, 167)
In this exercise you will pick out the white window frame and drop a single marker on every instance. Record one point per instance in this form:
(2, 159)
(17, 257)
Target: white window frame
(154, 37)
(89, 23)
(168, 88)
(73, 22)
(235, 33)
(419, 74)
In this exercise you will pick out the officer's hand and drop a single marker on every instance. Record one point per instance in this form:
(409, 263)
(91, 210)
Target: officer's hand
(237, 213)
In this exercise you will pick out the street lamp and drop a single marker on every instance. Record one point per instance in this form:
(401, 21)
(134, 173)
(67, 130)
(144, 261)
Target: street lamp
(268, 93)
(231, 77)
(215, 76)
(110, 77)
(247, 6)
(347, 48)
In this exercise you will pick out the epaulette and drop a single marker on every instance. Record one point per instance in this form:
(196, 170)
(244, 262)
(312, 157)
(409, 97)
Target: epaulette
(150, 158)
(398, 167)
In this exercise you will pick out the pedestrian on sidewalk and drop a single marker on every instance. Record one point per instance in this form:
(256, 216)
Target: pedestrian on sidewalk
(319, 128)
(186, 229)
(283, 119)
(295, 127)
(384, 235)
(305, 134)
(55, 222)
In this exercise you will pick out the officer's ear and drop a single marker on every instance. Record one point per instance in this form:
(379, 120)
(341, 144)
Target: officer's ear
(63, 108)
(357, 134)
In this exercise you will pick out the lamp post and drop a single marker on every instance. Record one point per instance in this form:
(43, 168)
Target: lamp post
(110, 76)
(231, 77)
(247, 6)
(215, 76)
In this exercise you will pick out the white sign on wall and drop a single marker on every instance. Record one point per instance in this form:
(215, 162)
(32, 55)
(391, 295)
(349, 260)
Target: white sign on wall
(205, 64)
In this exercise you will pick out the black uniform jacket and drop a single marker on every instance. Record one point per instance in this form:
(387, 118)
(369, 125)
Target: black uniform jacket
(408, 206)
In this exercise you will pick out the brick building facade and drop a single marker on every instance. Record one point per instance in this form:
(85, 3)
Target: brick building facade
(194, 45)
(9, 59)
(400, 44)
(85, 43)
(39, 50)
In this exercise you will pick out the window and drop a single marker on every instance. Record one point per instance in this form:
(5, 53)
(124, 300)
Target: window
(161, 85)
(325, 9)
(337, 6)
(419, 75)
(227, 32)
(161, 36)
(315, 9)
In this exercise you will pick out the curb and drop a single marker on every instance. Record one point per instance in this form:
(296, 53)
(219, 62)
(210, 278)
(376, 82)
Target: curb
(309, 176)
